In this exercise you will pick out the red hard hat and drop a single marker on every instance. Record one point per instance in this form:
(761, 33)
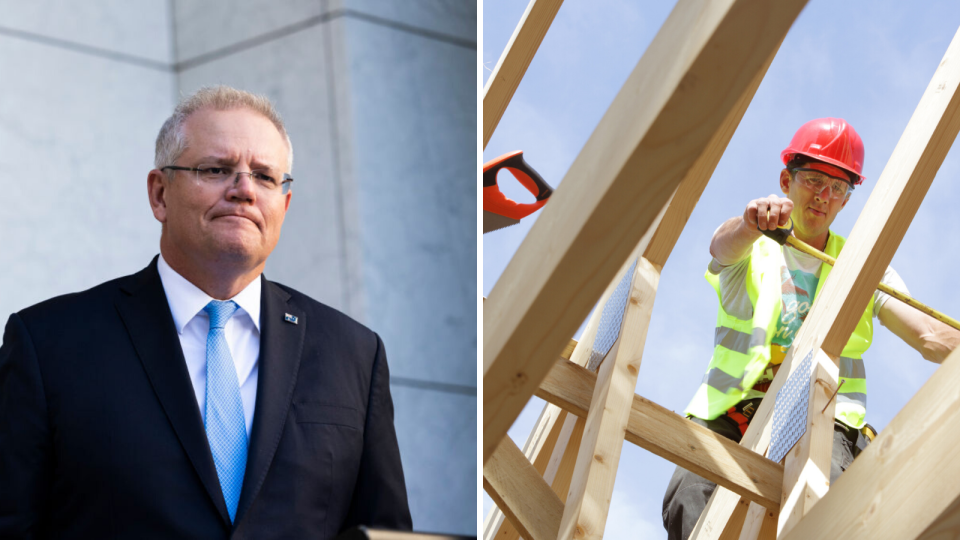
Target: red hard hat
(831, 140)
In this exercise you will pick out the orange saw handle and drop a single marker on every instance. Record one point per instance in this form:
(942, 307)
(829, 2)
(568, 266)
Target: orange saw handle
(497, 202)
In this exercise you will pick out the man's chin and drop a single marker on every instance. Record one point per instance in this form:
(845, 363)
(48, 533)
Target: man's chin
(236, 250)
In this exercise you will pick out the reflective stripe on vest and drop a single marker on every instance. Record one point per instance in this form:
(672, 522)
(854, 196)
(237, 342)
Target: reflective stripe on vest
(741, 350)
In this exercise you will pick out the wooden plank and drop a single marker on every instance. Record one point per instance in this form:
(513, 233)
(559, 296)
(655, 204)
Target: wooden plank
(672, 437)
(556, 460)
(806, 473)
(906, 484)
(678, 97)
(513, 63)
(562, 475)
(587, 504)
(558, 472)
(718, 514)
(870, 247)
(519, 490)
(549, 446)
(946, 526)
(732, 529)
(750, 528)
(537, 449)
(688, 194)
(760, 523)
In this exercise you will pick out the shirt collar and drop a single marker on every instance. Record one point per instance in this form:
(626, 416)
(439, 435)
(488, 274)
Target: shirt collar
(186, 300)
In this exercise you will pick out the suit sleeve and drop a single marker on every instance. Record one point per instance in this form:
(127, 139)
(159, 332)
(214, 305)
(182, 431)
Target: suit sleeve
(380, 496)
(24, 435)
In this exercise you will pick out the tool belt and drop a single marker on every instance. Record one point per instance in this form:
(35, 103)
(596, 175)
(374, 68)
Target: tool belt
(743, 412)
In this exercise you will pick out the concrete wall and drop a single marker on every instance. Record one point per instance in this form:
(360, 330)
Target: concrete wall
(379, 101)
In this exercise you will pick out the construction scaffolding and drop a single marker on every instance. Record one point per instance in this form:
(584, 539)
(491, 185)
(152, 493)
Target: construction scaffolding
(607, 233)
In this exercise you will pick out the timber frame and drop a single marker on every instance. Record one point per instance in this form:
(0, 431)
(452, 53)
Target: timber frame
(626, 198)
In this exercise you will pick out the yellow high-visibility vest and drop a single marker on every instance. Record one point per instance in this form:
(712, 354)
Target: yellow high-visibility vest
(741, 350)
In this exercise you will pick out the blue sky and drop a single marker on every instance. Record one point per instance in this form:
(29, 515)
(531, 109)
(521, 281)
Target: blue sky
(866, 62)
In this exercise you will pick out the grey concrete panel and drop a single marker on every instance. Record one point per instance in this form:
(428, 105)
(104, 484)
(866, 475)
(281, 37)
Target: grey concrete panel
(291, 72)
(437, 432)
(204, 26)
(414, 114)
(451, 17)
(140, 29)
(76, 143)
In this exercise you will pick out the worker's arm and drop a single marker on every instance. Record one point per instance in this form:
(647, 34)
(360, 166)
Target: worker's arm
(930, 337)
(732, 241)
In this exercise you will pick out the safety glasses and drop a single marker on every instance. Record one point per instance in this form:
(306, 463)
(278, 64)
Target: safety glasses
(816, 180)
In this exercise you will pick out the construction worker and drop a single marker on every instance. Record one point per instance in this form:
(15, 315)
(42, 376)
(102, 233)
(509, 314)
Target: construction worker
(758, 319)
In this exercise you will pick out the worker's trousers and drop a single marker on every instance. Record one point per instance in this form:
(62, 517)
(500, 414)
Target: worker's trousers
(688, 493)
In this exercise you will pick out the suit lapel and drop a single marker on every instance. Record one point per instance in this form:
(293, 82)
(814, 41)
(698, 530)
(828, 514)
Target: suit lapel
(146, 315)
(281, 344)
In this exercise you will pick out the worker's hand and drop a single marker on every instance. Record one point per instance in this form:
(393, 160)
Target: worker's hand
(768, 213)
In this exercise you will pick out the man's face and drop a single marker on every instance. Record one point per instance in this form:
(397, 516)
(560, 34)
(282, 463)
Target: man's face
(237, 221)
(813, 209)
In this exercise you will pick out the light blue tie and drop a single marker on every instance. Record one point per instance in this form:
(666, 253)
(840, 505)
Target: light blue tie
(223, 418)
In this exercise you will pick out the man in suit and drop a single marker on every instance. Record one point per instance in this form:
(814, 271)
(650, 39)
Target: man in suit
(196, 399)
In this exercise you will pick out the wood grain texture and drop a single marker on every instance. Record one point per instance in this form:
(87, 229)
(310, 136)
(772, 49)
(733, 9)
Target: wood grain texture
(760, 523)
(588, 501)
(696, 70)
(672, 437)
(556, 460)
(906, 484)
(751, 523)
(515, 60)
(894, 202)
(521, 493)
(538, 449)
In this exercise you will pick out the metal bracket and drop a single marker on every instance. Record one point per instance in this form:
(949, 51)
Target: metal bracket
(790, 410)
(610, 320)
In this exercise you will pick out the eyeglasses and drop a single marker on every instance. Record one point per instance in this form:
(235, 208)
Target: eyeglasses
(816, 180)
(264, 179)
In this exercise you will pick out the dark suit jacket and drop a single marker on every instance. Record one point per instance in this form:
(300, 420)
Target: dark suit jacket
(101, 435)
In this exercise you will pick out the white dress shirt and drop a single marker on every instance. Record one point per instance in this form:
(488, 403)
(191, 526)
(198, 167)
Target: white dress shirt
(242, 331)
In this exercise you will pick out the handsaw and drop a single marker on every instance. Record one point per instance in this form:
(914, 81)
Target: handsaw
(498, 210)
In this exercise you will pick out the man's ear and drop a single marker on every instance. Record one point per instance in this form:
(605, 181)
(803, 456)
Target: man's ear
(785, 181)
(157, 191)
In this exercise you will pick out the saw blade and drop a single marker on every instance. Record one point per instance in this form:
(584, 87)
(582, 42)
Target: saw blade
(493, 221)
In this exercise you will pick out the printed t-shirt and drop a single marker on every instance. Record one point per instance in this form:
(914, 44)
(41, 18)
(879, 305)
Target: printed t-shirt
(799, 277)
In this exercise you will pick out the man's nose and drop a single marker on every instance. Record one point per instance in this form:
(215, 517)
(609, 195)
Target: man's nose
(243, 186)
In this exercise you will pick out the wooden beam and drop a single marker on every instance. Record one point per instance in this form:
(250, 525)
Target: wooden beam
(519, 490)
(750, 529)
(553, 443)
(732, 529)
(806, 474)
(906, 484)
(946, 526)
(538, 449)
(513, 63)
(869, 249)
(693, 184)
(664, 119)
(760, 523)
(674, 438)
(587, 504)
(900, 190)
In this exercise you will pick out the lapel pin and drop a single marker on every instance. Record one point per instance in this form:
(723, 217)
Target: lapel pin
(289, 318)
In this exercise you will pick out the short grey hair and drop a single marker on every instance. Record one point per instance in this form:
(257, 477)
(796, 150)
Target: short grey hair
(171, 142)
